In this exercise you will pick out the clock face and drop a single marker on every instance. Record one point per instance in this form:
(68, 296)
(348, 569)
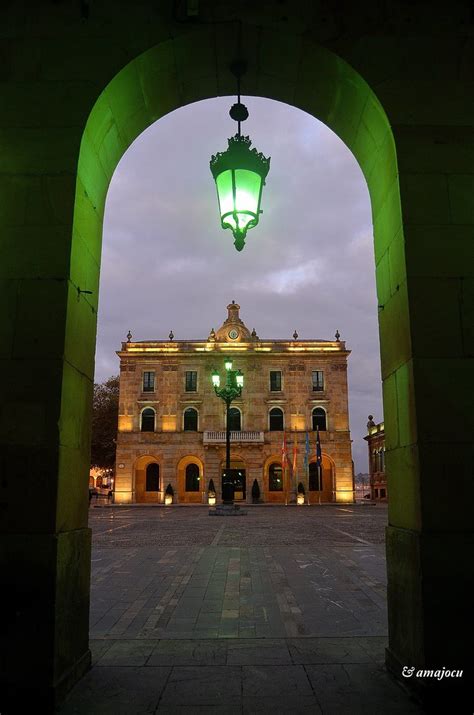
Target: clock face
(233, 334)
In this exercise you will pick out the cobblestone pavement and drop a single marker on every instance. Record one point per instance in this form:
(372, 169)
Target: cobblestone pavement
(281, 610)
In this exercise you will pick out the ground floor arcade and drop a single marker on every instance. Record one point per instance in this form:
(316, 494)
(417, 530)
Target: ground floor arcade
(147, 472)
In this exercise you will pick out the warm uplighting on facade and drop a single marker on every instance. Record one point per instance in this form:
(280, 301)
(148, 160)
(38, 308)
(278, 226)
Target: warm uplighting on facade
(152, 350)
(345, 496)
(297, 422)
(125, 423)
(168, 423)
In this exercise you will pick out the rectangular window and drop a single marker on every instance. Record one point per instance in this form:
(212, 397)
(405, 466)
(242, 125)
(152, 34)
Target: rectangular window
(275, 380)
(149, 381)
(191, 381)
(318, 380)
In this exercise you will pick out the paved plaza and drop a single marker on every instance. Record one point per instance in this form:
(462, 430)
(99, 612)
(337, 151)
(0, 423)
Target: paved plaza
(282, 610)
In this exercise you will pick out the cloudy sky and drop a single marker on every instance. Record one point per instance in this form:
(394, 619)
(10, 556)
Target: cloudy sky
(308, 265)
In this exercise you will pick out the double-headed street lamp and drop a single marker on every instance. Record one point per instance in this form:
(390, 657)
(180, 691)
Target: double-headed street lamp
(232, 389)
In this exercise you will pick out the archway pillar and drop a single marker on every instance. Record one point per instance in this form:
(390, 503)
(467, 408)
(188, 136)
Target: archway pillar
(428, 280)
(46, 382)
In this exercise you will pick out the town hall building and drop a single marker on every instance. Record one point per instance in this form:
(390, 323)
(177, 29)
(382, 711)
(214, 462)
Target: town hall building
(172, 426)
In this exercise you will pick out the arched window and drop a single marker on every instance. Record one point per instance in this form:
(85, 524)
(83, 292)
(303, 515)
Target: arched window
(276, 419)
(148, 420)
(319, 419)
(275, 478)
(190, 419)
(235, 419)
(192, 478)
(153, 478)
(315, 477)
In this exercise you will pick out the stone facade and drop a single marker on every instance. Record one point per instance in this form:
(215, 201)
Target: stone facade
(168, 382)
(376, 444)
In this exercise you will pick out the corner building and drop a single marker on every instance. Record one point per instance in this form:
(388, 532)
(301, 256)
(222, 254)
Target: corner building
(375, 439)
(172, 426)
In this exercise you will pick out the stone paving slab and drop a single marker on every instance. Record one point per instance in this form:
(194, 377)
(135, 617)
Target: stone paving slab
(129, 653)
(275, 681)
(282, 611)
(203, 685)
(191, 652)
(201, 675)
(265, 651)
(355, 689)
(117, 691)
(247, 592)
(333, 650)
(282, 706)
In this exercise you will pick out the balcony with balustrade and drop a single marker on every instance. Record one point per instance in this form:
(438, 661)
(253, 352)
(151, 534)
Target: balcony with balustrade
(236, 436)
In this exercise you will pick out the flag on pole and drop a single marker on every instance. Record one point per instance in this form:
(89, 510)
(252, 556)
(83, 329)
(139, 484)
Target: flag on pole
(283, 453)
(319, 460)
(307, 451)
(295, 454)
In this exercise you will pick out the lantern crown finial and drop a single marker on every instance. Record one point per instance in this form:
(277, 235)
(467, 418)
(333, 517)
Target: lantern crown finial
(238, 155)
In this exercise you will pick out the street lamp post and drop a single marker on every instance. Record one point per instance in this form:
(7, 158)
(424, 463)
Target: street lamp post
(232, 389)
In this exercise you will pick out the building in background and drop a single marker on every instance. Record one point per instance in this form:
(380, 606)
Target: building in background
(376, 443)
(172, 426)
(362, 486)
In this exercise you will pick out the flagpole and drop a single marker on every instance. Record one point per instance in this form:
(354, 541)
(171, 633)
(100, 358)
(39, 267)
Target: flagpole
(307, 452)
(293, 492)
(283, 464)
(319, 461)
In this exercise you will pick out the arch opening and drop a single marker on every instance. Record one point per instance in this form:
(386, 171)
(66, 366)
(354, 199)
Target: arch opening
(151, 86)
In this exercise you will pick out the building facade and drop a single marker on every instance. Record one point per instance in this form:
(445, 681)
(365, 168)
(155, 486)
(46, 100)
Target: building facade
(376, 444)
(172, 426)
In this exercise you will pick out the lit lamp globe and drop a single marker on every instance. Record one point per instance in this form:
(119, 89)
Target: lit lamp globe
(239, 173)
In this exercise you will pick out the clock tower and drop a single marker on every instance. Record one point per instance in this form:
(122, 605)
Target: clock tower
(233, 329)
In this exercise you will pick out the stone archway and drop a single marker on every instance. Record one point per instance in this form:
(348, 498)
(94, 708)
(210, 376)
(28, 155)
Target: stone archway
(328, 491)
(277, 491)
(144, 487)
(52, 261)
(193, 495)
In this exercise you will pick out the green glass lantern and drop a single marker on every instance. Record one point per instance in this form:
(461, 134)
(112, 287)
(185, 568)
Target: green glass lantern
(239, 173)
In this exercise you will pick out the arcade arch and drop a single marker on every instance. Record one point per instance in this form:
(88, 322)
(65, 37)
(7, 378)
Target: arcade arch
(147, 479)
(422, 535)
(191, 482)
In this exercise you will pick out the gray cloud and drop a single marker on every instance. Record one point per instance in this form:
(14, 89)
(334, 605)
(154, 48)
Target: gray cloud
(308, 266)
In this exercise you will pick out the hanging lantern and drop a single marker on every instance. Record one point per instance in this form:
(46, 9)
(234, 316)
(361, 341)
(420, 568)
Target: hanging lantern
(239, 173)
